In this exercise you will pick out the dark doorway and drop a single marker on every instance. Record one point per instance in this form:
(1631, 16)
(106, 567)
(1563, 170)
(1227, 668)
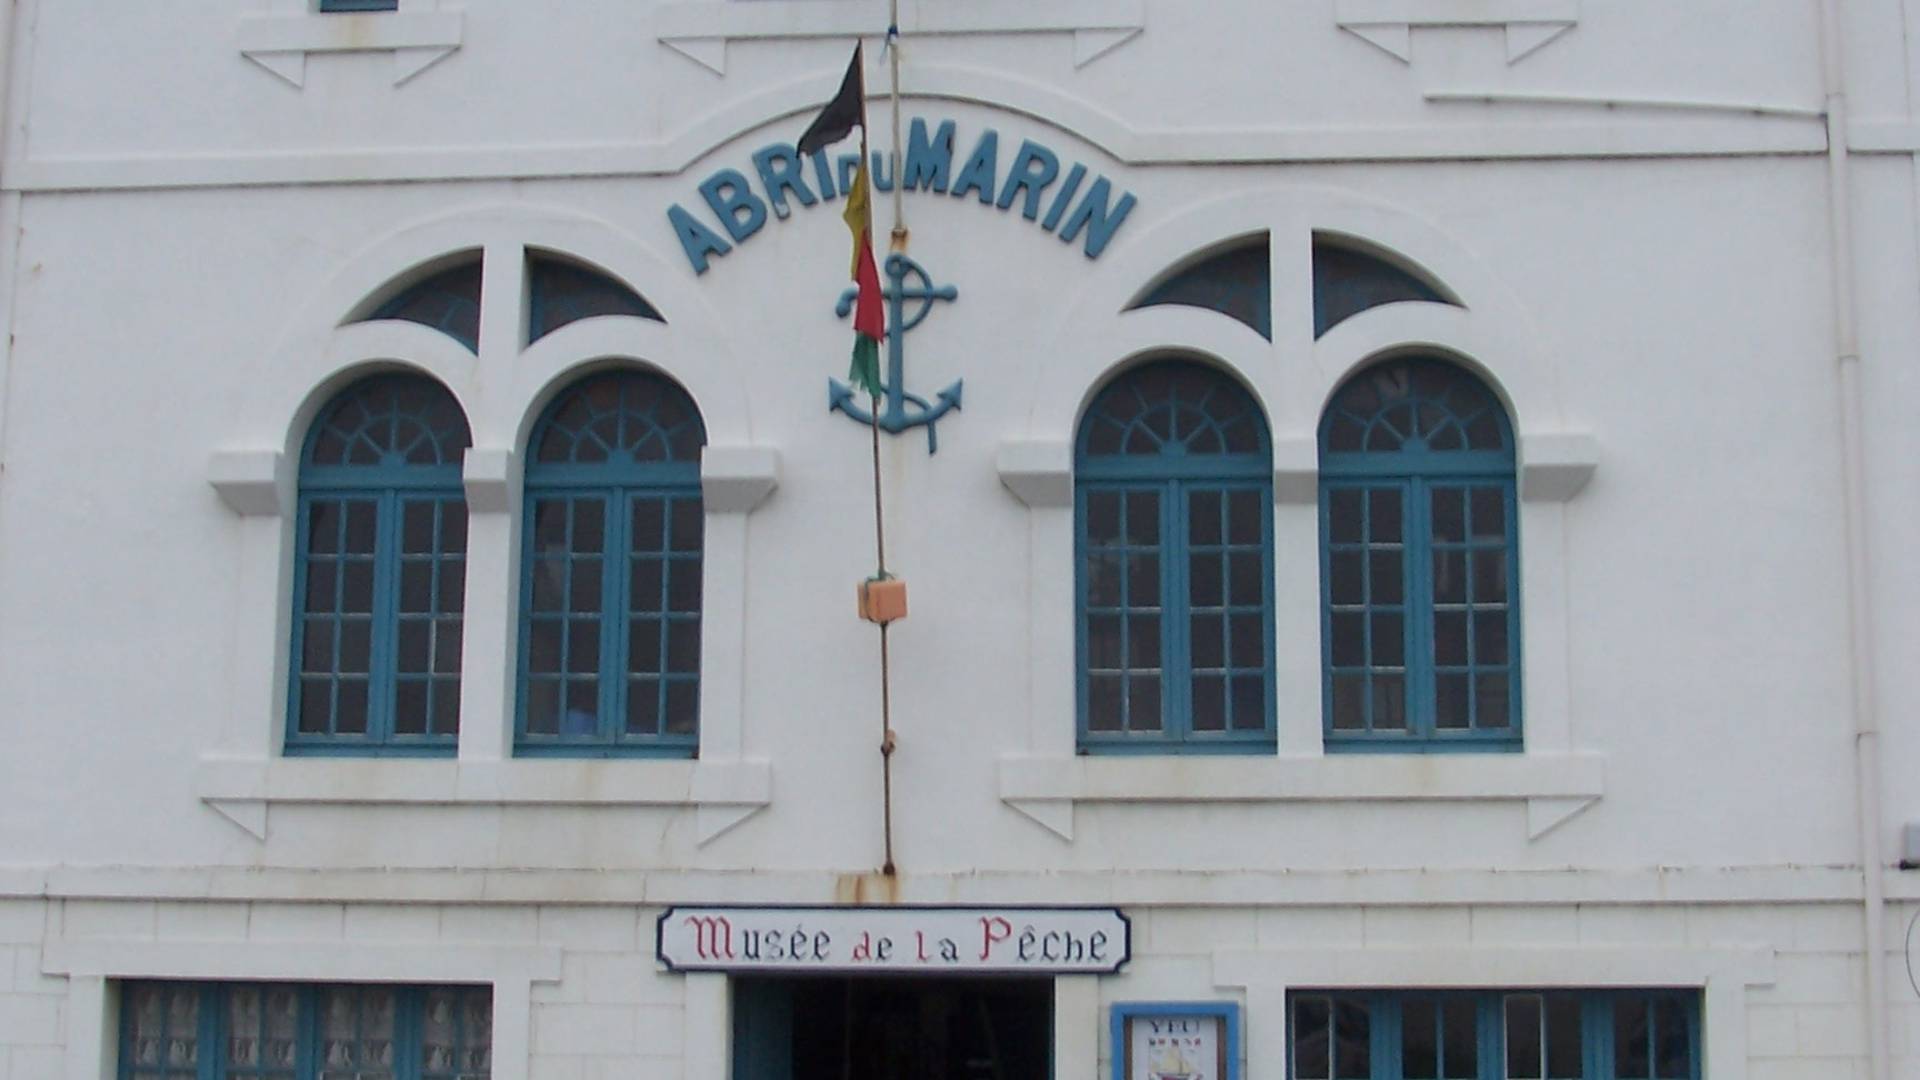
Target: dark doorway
(892, 1029)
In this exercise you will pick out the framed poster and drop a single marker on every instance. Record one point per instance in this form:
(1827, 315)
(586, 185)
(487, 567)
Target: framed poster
(1176, 1040)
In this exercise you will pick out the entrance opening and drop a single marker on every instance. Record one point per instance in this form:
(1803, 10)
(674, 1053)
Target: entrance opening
(873, 1028)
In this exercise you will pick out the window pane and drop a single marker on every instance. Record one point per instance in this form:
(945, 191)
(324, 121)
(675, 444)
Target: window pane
(1103, 703)
(1630, 1038)
(1352, 1040)
(1143, 517)
(1103, 516)
(1312, 1037)
(1673, 1056)
(1249, 701)
(1563, 1036)
(1523, 1037)
(1246, 512)
(1383, 516)
(683, 707)
(1419, 1040)
(1143, 702)
(1349, 702)
(1209, 703)
(1345, 585)
(1462, 1050)
(1343, 515)
(1389, 703)
(1384, 577)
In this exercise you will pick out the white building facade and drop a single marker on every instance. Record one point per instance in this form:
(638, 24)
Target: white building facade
(1403, 507)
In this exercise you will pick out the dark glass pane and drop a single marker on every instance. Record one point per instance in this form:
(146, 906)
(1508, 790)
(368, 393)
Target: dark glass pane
(446, 706)
(1143, 517)
(449, 302)
(589, 526)
(620, 416)
(1143, 580)
(1209, 703)
(1249, 698)
(322, 582)
(1246, 578)
(683, 707)
(1207, 641)
(688, 524)
(351, 717)
(544, 645)
(446, 646)
(645, 585)
(1384, 577)
(649, 525)
(452, 598)
(1563, 1036)
(356, 593)
(1630, 1038)
(1449, 514)
(1237, 283)
(1143, 702)
(416, 587)
(582, 716)
(1449, 577)
(1149, 411)
(356, 645)
(1205, 587)
(1312, 1033)
(1349, 639)
(543, 707)
(1349, 702)
(316, 706)
(1491, 705)
(1450, 701)
(583, 592)
(1345, 585)
(1344, 432)
(417, 521)
(1388, 640)
(1103, 516)
(1103, 581)
(583, 645)
(1450, 637)
(1352, 1040)
(683, 585)
(1383, 516)
(1523, 1037)
(316, 645)
(1143, 641)
(1483, 432)
(410, 707)
(1490, 636)
(1462, 1054)
(683, 646)
(1103, 642)
(1389, 703)
(643, 706)
(1419, 1040)
(643, 646)
(1103, 703)
(1347, 282)
(1490, 576)
(1344, 516)
(453, 527)
(549, 526)
(1673, 1056)
(1249, 648)
(559, 292)
(415, 639)
(1245, 514)
(1487, 510)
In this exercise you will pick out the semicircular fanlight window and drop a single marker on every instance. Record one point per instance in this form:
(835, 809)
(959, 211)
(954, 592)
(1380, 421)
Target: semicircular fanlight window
(1172, 409)
(1415, 404)
(619, 417)
(448, 301)
(1347, 282)
(1236, 282)
(560, 292)
(390, 420)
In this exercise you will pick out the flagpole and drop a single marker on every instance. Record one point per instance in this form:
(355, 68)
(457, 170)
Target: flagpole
(880, 558)
(899, 235)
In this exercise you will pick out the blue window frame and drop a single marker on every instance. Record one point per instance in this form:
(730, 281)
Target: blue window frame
(290, 1031)
(331, 6)
(560, 291)
(1494, 1035)
(379, 578)
(1419, 562)
(1173, 507)
(610, 593)
(1236, 281)
(447, 301)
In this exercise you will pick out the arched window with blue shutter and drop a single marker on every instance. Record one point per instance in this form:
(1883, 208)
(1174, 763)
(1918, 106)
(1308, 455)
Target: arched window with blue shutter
(610, 592)
(1173, 507)
(380, 572)
(1419, 562)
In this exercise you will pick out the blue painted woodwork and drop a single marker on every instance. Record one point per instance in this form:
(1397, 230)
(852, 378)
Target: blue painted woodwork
(1173, 597)
(331, 6)
(611, 583)
(1516, 1034)
(1228, 1013)
(1347, 281)
(292, 1031)
(1236, 282)
(379, 580)
(560, 291)
(896, 417)
(448, 301)
(1419, 562)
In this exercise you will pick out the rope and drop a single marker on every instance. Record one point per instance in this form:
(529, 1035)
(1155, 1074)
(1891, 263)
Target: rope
(879, 514)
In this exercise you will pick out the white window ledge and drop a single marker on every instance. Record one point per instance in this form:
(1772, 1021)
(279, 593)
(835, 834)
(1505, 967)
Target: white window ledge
(723, 792)
(700, 29)
(281, 42)
(1555, 787)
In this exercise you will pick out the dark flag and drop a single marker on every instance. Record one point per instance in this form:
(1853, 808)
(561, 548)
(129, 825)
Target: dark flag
(837, 119)
(840, 116)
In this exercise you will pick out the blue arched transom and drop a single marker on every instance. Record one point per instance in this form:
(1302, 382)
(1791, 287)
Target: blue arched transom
(1236, 281)
(447, 301)
(380, 572)
(1348, 281)
(560, 291)
(1173, 488)
(1419, 569)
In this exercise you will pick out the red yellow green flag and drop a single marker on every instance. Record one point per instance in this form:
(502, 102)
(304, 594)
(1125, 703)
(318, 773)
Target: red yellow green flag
(837, 119)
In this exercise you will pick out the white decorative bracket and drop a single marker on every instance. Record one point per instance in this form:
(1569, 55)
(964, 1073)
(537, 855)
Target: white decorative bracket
(1388, 24)
(1296, 471)
(491, 479)
(416, 40)
(1553, 468)
(1038, 473)
(253, 483)
(737, 479)
(700, 31)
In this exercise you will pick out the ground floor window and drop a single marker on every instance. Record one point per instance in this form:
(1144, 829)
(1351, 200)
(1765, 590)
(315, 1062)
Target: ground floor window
(879, 1028)
(293, 1031)
(1495, 1035)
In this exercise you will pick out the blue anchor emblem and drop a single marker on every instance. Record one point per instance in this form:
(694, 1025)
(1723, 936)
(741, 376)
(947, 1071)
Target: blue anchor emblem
(895, 416)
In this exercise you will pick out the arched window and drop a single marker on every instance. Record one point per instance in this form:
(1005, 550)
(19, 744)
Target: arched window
(447, 301)
(610, 595)
(1419, 562)
(380, 572)
(1173, 502)
(560, 291)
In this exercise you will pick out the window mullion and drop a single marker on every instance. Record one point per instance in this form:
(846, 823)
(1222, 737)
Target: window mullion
(1176, 658)
(211, 1065)
(1596, 1036)
(1416, 523)
(385, 631)
(1383, 1038)
(407, 1054)
(615, 565)
(1490, 1017)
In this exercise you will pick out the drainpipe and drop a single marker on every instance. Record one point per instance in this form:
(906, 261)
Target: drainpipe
(1866, 731)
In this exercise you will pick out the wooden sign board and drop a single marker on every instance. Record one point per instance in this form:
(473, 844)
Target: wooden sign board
(895, 940)
(1176, 1041)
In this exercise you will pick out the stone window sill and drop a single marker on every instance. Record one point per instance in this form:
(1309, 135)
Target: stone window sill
(723, 792)
(1555, 787)
(281, 42)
